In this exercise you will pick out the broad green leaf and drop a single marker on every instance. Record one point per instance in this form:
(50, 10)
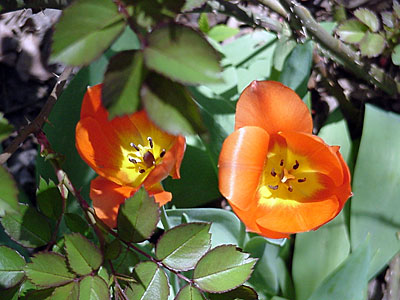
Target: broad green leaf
(203, 23)
(352, 31)
(284, 47)
(122, 81)
(388, 19)
(138, 217)
(8, 193)
(222, 32)
(11, 267)
(396, 55)
(48, 270)
(5, 128)
(103, 273)
(85, 30)
(39, 294)
(368, 17)
(181, 247)
(113, 249)
(191, 4)
(189, 292)
(151, 283)
(76, 223)
(372, 44)
(69, 291)
(222, 269)
(349, 280)
(396, 8)
(28, 227)
(128, 40)
(93, 288)
(125, 262)
(182, 54)
(83, 256)
(375, 204)
(240, 293)
(49, 199)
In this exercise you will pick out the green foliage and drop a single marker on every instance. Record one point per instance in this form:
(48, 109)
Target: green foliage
(368, 18)
(69, 291)
(5, 128)
(352, 31)
(372, 44)
(93, 287)
(8, 193)
(49, 199)
(222, 32)
(11, 267)
(242, 293)
(189, 292)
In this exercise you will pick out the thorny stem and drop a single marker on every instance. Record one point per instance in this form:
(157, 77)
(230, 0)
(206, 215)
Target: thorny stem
(116, 281)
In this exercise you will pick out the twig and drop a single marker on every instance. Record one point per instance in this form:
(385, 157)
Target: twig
(37, 123)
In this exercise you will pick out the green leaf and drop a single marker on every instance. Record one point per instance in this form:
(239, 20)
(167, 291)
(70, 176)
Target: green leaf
(69, 291)
(48, 269)
(222, 269)
(192, 4)
(83, 256)
(396, 8)
(203, 23)
(388, 19)
(368, 17)
(189, 292)
(128, 40)
(93, 288)
(170, 106)
(151, 283)
(49, 199)
(352, 31)
(372, 44)
(113, 249)
(125, 262)
(11, 293)
(240, 293)
(138, 217)
(182, 54)
(8, 193)
(181, 247)
(396, 55)
(349, 280)
(85, 30)
(28, 227)
(122, 81)
(222, 32)
(39, 294)
(11, 267)
(5, 128)
(76, 223)
(375, 204)
(284, 47)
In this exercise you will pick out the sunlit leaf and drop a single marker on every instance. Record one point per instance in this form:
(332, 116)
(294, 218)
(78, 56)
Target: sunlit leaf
(222, 32)
(189, 292)
(11, 267)
(8, 193)
(387, 18)
(372, 44)
(69, 291)
(368, 17)
(352, 31)
(128, 40)
(93, 288)
(203, 23)
(49, 199)
(5, 128)
(396, 8)
(396, 55)
(191, 4)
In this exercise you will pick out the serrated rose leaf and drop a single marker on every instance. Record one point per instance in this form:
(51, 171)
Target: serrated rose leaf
(372, 44)
(83, 256)
(242, 292)
(181, 247)
(8, 193)
(351, 31)
(222, 269)
(189, 292)
(396, 8)
(49, 199)
(93, 288)
(11, 267)
(396, 55)
(368, 17)
(48, 270)
(69, 291)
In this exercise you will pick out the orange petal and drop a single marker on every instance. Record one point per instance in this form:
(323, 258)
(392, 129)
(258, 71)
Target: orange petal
(343, 192)
(241, 162)
(107, 196)
(92, 106)
(289, 216)
(274, 107)
(160, 196)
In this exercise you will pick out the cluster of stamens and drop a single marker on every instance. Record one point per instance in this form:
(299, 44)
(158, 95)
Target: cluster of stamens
(143, 158)
(285, 176)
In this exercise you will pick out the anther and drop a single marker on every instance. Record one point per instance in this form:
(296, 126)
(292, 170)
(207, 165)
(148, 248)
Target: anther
(150, 142)
(296, 165)
(162, 153)
(141, 171)
(281, 163)
(290, 188)
(149, 159)
(273, 187)
(132, 160)
(134, 146)
(273, 173)
(301, 180)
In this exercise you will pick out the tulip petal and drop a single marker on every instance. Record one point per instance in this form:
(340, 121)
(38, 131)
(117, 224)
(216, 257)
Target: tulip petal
(92, 106)
(107, 196)
(274, 107)
(241, 162)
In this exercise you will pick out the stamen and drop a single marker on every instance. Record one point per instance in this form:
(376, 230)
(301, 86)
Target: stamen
(301, 180)
(132, 160)
(134, 146)
(150, 142)
(273, 187)
(162, 153)
(281, 163)
(141, 171)
(273, 173)
(290, 188)
(296, 165)
(149, 159)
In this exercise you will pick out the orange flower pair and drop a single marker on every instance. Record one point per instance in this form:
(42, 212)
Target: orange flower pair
(277, 176)
(127, 152)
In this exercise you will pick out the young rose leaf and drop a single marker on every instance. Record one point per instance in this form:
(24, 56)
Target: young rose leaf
(396, 8)
(372, 44)
(48, 270)
(75, 223)
(189, 292)
(28, 227)
(11, 267)
(242, 292)
(352, 31)
(122, 81)
(125, 261)
(93, 288)
(203, 23)
(181, 247)
(69, 291)
(138, 217)
(387, 19)
(396, 55)
(222, 32)
(5, 128)
(83, 256)
(182, 54)
(85, 30)
(8, 193)
(151, 283)
(368, 17)
(49, 199)
(222, 269)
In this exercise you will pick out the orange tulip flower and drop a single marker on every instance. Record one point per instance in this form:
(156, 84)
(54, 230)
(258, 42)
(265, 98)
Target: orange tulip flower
(277, 176)
(127, 152)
